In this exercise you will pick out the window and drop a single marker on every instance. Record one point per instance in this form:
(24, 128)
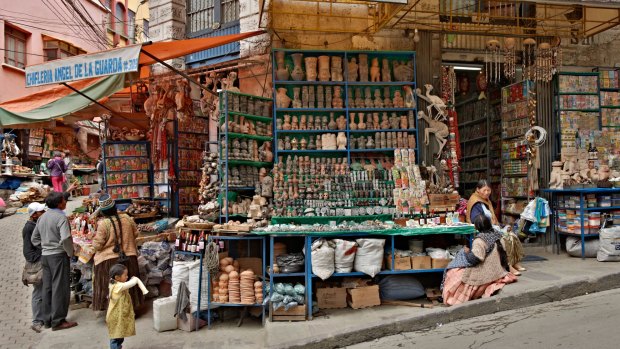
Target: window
(145, 27)
(56, 49)
(108, 4)
(119, 19)
(131, 25)
(211, 14)
(15, 47)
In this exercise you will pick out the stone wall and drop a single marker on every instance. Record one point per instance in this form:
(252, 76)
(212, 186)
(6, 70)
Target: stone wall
(167, 22)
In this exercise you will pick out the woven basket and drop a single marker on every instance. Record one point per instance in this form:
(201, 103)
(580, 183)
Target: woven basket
(142, 202)
(145, 215)
(201, 226)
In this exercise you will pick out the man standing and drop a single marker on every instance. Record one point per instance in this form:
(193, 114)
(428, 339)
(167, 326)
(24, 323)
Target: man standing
(32, 254)
(53, 234)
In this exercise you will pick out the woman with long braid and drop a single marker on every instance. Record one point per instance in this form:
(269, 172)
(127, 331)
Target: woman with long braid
(114, 243)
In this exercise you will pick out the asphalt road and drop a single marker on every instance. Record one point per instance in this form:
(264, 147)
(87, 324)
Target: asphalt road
(589, 321)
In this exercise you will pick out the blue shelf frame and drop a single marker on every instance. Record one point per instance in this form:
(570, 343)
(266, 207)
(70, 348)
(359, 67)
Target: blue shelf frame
(308, 276)
(555, 232)
(346, 84)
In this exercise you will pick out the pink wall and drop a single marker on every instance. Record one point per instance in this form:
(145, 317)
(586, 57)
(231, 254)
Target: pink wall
(32, 16)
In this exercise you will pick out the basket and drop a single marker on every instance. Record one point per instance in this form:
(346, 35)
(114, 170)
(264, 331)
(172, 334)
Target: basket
(133, 138)
(142, 202)
(200, 226)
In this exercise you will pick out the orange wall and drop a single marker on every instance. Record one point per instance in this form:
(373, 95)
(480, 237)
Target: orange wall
(42, 21)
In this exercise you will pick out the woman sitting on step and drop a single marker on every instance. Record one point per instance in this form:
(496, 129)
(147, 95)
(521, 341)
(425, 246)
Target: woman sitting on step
(479, 272)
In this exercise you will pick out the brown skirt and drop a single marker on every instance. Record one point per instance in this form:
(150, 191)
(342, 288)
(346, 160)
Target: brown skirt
(101, 281)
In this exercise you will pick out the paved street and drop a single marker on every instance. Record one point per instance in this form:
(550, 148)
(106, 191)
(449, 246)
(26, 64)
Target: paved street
(585, 322)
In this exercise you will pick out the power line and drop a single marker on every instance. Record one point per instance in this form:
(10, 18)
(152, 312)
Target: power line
(76, 20)
(53, 31)
(26, 53)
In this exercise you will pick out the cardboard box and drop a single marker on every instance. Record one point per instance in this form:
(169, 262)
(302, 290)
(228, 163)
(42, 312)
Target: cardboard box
(363, 297)
(400, 263)
(332, 297)
(421, 262)
(256, 264)
(189, 325)
(440, 263)
(297, 313)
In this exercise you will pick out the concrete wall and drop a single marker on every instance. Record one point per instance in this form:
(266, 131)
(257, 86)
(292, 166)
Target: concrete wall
(36, 19)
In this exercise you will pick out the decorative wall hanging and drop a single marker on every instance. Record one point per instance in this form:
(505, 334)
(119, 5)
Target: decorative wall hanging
(510, 58)
(492, 61)
(548, 59)
(528, 61)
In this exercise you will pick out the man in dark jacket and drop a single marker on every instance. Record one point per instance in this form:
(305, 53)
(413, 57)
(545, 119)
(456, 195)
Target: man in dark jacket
(32, 254)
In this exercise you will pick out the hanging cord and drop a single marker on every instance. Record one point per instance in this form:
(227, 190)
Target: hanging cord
(540, 140)
(211, 258)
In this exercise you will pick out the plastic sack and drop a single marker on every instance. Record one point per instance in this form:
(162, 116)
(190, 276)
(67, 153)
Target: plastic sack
(277, 297)
(369, 256)
(300, 289)
(279, 288)
(289, 290)
(609, 245)
(400, 287)
(438, 253)
(291, 263)
(194, 281)
(299, 299)
(290, 305)
(180, 273)
(344, 255)
(287, 299)
(573, 247)
(322, 258)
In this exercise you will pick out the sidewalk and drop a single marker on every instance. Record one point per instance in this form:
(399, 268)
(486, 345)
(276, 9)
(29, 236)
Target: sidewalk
(557, 278)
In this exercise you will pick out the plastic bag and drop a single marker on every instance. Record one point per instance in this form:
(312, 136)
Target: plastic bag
(573, 247)
(344, 255)
(287, 299)
(300, 289)
(322, 259)
(289, 290)
(291, 263)
(277, 305)
(290, 305)
(369, 256)
(279, 288)
(180, 272)
(277, 297)
(400, 287)
(299, 299)
(609, 246)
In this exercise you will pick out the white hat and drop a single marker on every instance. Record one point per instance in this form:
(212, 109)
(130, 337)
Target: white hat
(35, 207)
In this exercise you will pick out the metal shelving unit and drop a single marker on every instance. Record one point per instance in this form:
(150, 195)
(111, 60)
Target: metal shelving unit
(123, 149)
(184, 183)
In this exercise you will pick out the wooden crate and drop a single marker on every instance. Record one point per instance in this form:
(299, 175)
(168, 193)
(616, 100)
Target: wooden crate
(420, 262)
(297, 313)
(440, 263)
(400, 263)
(332, 297)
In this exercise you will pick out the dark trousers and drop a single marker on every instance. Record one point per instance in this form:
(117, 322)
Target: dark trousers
(56, 288)
(116, 343)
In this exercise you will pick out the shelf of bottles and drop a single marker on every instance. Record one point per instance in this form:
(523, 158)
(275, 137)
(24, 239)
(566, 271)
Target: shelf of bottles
(192, 135)
(337, 110)
(245, 148)
(127, 170)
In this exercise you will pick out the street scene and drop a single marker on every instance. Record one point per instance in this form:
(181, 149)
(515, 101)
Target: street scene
(309, 174)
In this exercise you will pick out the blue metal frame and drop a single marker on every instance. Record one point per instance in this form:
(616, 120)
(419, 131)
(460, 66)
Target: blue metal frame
(555, 235)
(149, 171)
(347, 109)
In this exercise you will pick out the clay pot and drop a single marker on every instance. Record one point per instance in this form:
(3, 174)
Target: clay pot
(297, 74)
(324, 68)
(282, 73)
(310, 68)
(332, 123)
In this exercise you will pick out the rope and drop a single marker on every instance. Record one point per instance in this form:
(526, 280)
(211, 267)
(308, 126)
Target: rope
(211, 259)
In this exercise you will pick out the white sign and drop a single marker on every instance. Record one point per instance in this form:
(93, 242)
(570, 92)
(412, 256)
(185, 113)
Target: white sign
(117, 61)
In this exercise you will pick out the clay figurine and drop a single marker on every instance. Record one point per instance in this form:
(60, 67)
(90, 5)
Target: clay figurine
(296, 100)
(361, 125)
(375, 70)
(303, 123)
(352, 70)
(386, 76)
(375, 121)
(352, 124)
(359, 101)
(303, 144)
(342, 141)
(295, 123)
(294, 143)
(287, 123)
(378, 103)
(385, 122)
(368, 98)
(341, 122)
(363, 67)
(403, 122)
(387, 101)
(337, 68)
(556, 176)
(324, 68)
(267, 154)
(282, 100)
(337, 99)
(282, 73)
(332, 123)
(310, 125)
(398, 100)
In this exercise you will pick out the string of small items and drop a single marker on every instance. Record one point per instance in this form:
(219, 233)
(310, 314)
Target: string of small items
(211, 258)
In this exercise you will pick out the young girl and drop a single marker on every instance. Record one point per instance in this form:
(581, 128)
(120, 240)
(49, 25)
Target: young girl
(120, 317)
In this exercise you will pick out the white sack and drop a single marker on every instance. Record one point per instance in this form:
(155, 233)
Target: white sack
(369, 256)
(322, 258)
(344, 255)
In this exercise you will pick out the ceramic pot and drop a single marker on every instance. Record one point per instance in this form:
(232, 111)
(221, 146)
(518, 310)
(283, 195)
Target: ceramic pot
(332, 123)
(310, 68)
(282, 73)
(297, 74)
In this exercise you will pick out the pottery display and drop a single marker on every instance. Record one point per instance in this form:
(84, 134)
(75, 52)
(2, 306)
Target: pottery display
(352, 69)
(282, 73)
(363, 67)
(324, 68)
(297, 74)
(310, 68)
(337, 69)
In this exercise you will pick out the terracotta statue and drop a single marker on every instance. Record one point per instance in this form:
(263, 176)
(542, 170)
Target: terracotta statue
(298, 74)
(556, 176)
(282, 73)
(303, 123)
(282, 100)
(386, 76)
(368, 98)
(363, 67)
(287, 122)
(337, 99)
(375, 73)
(310, 68)
(352, 123)
(337, 68)
(341, 122)
(378, 103)
(324, 68)
(295, 123)
(398, 100)
(342, 141)
(296, 100)
(352, 70)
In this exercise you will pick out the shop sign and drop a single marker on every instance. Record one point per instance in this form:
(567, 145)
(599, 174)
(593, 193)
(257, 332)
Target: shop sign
(117, 61)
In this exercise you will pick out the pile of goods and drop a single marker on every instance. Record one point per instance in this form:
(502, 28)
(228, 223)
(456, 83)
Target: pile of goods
(195, 222)
(345, 226)
(17, 169)
(234, 287)
(154, 263)
(143, 209)
(287, 295)
(126, 134)
(209, 211)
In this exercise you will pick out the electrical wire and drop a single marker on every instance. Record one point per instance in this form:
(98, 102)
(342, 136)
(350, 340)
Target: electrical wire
(26, 53)
(52, 31)
(82, 18)
(76, 19)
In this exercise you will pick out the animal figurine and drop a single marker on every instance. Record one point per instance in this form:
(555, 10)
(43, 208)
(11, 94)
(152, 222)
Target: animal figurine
(437, 128)
(434, 102)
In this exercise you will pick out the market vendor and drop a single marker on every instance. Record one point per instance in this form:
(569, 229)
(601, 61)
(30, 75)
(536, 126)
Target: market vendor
(479, 204)
(114, 243)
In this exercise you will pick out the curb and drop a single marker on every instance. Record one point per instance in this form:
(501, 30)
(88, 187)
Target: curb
(552, 293)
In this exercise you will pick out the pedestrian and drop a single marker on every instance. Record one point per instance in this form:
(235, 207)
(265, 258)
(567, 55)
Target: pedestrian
(32, 254)
(57, 170)
(120, 317)
(479, 204)
(53, 234)
(69, 170)
(114, 243)
(479, 272)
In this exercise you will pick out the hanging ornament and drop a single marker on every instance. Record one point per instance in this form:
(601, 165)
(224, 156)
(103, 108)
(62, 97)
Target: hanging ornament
(527, 63)
(544, 63)
(557, 54)
(510, 58)
(492, 61)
